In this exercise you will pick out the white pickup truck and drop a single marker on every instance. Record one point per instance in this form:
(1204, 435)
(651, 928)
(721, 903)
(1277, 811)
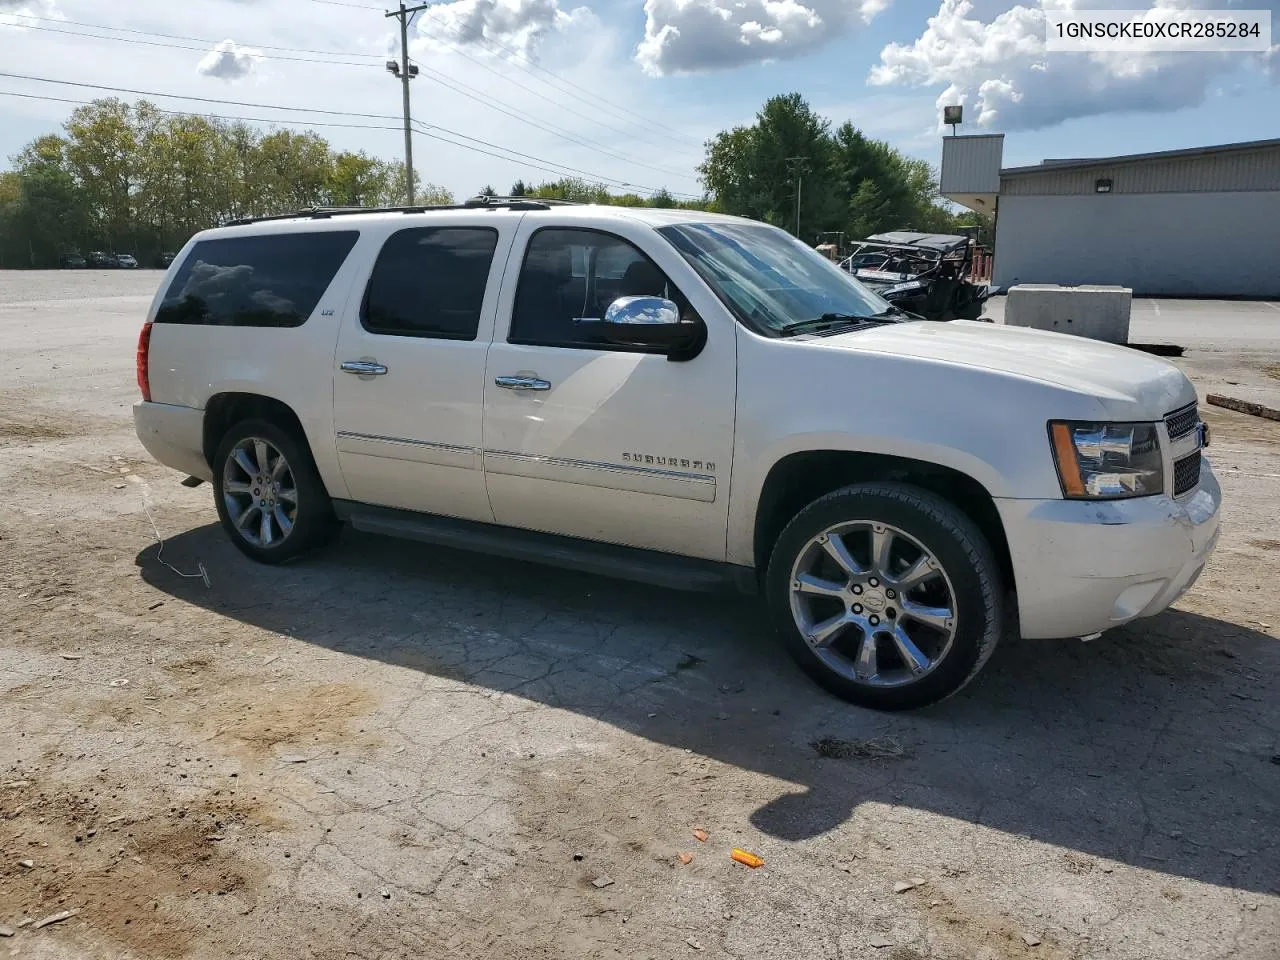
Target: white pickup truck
(687, 399)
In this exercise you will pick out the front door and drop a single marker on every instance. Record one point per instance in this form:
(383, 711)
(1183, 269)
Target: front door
(409, 368)
(599, 441)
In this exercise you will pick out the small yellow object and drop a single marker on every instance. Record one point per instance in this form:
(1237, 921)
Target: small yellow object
(750, 859)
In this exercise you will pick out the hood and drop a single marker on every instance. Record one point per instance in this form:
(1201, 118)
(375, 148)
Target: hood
(1128, 382)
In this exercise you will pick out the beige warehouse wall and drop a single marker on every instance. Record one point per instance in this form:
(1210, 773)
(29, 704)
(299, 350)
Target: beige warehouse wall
(1171, 244)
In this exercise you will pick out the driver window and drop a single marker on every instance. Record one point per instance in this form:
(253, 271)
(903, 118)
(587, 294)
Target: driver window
(570, 277)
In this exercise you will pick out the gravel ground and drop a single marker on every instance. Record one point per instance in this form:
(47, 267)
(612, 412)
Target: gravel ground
(390, 750)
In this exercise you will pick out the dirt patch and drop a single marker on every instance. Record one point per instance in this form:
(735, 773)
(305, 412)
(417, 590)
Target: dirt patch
(965, 929)
(137, 877)
(16, 432)
(318, 714)
(838, 748)
(1077, 863)
(1272, 370)
(1265, 544)
(187, 667)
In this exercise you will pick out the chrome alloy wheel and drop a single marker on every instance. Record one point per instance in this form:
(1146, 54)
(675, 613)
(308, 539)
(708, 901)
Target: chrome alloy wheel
(259, 492)
(873, 603)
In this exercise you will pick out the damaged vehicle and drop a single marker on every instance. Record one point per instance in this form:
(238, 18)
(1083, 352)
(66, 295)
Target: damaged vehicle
(925, 274)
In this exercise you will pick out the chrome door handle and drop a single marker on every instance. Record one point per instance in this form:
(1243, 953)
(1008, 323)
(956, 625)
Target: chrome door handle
(364, 368)
(522, 383)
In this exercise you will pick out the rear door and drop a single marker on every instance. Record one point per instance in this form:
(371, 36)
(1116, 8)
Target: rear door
(408, 381)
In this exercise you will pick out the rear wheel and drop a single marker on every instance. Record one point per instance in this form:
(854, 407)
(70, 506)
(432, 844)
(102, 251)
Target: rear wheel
(269, 496)
(887, 595)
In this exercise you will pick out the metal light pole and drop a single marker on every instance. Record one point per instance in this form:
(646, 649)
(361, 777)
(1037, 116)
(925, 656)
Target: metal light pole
(406, 72)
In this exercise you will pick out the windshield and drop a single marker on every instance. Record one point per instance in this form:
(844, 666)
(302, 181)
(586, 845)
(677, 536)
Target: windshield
(768, 278)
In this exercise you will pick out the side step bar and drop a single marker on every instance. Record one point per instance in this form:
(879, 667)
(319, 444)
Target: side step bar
(588, 556)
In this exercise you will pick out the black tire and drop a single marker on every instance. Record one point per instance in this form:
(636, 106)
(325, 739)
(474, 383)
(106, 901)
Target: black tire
(313, 520)
(959, 547)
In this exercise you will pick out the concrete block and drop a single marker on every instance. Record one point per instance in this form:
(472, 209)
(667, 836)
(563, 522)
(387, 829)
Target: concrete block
(1097, 312)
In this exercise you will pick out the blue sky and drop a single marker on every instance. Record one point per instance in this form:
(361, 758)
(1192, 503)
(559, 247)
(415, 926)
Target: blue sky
(626, 90)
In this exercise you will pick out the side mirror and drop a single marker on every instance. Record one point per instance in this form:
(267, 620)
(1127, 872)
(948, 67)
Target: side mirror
(649, 322)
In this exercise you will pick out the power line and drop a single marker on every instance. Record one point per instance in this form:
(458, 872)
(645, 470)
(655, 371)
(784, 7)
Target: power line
(206, 116)
(502, 76)
(514, 113)
(179, 46)
(568, 85)
(178, 36)
(493, 103)
(354, 6)
(540, 163)
(183, 96)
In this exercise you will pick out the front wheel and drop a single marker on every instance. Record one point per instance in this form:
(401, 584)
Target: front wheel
(269, 496)
(887, 595)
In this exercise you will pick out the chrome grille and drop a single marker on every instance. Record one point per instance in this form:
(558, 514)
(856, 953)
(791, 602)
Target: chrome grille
(1186, 474)
(1181, 422)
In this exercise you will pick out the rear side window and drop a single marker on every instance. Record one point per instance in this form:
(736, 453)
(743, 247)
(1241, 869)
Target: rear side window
(430, 282)
(270, 280)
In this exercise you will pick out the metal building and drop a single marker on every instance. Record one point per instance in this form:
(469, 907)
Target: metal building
(1199, 222)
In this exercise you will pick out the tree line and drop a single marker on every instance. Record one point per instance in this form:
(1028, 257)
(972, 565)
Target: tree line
(132, 178)
(845, 182)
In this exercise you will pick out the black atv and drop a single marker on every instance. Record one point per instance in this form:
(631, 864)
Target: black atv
(926, 274)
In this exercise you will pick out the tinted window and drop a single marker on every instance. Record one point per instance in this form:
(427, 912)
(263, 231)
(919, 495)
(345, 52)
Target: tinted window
(430, 282)
(270, 280)
(571, 276)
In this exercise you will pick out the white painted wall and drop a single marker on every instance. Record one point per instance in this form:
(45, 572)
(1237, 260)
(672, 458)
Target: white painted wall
(1169, 244)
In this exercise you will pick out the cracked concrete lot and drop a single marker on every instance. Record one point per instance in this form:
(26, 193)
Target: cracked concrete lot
(392, 751)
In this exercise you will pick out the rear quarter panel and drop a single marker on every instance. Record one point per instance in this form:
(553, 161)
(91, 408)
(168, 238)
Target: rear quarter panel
(190, 363)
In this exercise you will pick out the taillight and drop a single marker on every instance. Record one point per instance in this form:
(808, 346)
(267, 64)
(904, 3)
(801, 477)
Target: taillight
(144, 362)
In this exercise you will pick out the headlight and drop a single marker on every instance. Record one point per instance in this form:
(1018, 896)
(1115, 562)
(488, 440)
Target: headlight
(1107, 461)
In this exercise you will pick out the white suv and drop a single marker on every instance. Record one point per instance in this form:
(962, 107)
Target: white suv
(683, 398)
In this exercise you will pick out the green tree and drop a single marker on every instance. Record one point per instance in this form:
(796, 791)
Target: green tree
(42, 206)
(102, 154)
(359, 180)
(294, 170)
(431, 195)
(850, 182)
(756, 171)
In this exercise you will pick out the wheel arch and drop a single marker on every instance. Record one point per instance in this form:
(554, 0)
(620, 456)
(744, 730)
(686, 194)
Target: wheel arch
(799, 478)
(222, 411)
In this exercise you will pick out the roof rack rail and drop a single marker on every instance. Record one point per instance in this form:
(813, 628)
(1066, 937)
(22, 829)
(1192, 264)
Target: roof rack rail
(474, 203)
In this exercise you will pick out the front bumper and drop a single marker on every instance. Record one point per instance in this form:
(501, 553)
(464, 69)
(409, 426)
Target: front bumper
(1082, 567)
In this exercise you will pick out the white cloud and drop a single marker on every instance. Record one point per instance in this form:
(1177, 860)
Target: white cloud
(32, 8)
(592, 59)
(999, 68)
(520, 25)
(229, 61)
(691, 36)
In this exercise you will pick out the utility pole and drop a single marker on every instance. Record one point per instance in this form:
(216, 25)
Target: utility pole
(798, 166)
(406, 72)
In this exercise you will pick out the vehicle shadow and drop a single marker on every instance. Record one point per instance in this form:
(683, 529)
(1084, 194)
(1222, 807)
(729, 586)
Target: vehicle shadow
(1152, 746)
